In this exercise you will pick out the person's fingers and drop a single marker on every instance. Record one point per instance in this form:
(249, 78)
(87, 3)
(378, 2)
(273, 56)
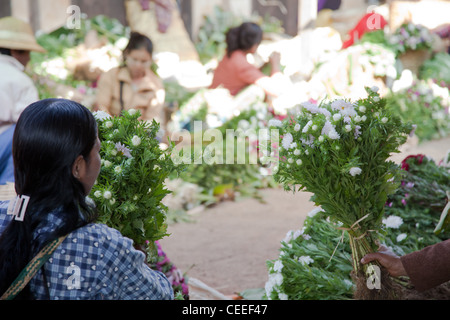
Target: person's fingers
(370, 257)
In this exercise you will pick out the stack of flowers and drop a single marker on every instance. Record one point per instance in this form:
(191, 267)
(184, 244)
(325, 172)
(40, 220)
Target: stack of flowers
(314, 262)
(425, 103)
(411, 36)
(130, 187)
(339, 152)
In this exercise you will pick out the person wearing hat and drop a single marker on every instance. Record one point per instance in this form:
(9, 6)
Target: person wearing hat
(17, 90)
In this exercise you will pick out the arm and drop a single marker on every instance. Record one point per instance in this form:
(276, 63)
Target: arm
(426, 268)
(127, 275)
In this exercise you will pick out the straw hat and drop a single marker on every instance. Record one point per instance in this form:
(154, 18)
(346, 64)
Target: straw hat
(17, 35)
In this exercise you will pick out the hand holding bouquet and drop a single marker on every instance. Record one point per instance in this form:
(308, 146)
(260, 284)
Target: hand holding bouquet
(339, 151)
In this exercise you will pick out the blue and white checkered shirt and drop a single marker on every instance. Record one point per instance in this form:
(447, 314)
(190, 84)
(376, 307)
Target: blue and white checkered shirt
(94, 262)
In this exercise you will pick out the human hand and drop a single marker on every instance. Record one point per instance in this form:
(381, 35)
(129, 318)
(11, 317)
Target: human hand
(275, 58)
(387, 259)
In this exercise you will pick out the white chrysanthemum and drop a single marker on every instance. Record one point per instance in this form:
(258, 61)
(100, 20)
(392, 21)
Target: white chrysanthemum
(299, 162)
(287, 140)
(337, 116)
(136, 141)
(278, 266)
(108, 124)
(393, 222)
(118, 169)
(401, 237)
(107, 194)
(297, 152)
(315, 211)
(297, 127)
(362, 109)
(375, 89)
(132, 112)
(348, 128)
(101, 115)
(305, 260)
(334, 135)
(306, 127)
(275, 123)
(384, 120)
(107, 164)
(355, 171)
(97, 194)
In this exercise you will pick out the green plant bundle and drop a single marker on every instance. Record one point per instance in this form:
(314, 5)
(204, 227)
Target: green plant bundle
(339, 151)
(315, 263)
(130, 187)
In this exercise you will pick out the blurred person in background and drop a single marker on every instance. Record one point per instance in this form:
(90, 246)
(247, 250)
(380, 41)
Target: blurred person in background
(17, 90)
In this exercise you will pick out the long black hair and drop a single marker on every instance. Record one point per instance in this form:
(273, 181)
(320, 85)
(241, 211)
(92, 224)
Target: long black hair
(243, 37)
(50, 134)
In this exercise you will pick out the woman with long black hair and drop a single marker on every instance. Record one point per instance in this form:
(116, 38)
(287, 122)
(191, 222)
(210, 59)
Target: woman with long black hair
(57, 160)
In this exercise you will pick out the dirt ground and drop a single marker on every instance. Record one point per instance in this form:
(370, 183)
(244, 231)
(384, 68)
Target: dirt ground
(226, 247)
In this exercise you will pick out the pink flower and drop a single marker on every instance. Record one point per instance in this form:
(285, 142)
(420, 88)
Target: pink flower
(122, 148)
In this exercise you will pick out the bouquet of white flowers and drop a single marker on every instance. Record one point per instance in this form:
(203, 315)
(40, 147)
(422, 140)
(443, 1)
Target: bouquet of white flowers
(130, 187)
(339, 152)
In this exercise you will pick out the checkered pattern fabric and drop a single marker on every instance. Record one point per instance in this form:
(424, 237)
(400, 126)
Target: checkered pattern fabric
(94, 262)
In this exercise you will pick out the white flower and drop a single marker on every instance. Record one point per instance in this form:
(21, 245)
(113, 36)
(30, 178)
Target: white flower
(290, 160)
(357, 119)
(375, 89)
(315, 211)
(321, 138)
(108, 124)
(384, 120)
(314, 127)
(283, 296)
(132, 112)
(393, 222)
(305, 260)
(355, 171)
(299, 162)
(97, 194)
(334, 135)
(297, 152)
(112, 201)
(101, 115)
(362, 109)
(287, 140)
(107, 164)
(348, 128)
(297, 127)
(306, 127)
(376, 99)
(107, 194)
(363, 118)
(136, 141)
(117, 169)
(337, 116)
(278, 266)
(401, 237)
(275, 123)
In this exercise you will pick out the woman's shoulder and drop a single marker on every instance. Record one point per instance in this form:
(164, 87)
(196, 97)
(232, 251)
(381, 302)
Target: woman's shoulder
(100, 236)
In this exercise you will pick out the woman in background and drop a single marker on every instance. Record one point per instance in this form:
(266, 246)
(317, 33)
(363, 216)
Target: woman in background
(235, 73)
(133, 85)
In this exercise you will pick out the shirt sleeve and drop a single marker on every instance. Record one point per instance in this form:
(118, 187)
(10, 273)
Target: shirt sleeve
(428, 267)
(126, 275)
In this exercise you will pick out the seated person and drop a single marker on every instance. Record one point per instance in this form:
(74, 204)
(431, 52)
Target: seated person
(133, 85)
(235, 73)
